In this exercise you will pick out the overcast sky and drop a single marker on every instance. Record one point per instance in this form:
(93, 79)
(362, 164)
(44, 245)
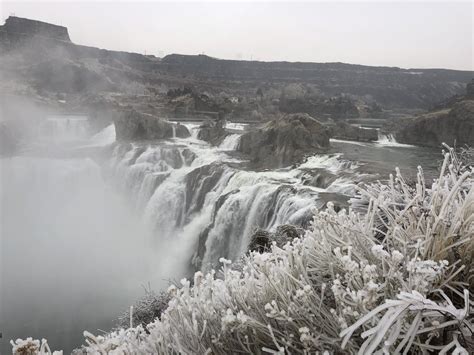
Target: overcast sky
(405, 34)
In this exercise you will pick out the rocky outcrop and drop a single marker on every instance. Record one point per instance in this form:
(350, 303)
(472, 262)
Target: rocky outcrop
(31, 28)
(212, 132)
(261, 240)
(345, 131)
(285, 141)
(453, 126)
(134, 125)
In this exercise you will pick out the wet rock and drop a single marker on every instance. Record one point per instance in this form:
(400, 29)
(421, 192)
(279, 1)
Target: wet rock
(285, 141)
(199, 182)
(134, 125)
(453, 126)
(212, 132)
(181, 131)
(345, 131)
(320, 178)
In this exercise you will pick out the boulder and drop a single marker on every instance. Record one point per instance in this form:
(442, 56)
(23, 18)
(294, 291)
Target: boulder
(212, 132)
(453, 126)
(285, 141)
(343, 130)
(181, 130)
(134, 125)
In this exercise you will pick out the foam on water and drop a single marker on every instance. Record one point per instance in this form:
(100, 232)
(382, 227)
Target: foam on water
(390, 141)
(236, 126)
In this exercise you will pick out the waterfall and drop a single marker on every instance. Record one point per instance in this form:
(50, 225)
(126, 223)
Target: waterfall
(64, 128)
(188, 191)
(390, 141)
(386, 138)
(231, 142)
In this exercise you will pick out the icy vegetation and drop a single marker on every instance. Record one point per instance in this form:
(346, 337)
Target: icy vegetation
(396, 279)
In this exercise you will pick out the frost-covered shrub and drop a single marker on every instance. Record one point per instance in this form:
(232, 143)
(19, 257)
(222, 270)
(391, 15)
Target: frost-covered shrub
(32, 346)
(145, 310)
(394, 280)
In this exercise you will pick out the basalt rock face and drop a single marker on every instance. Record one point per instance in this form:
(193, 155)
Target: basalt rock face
(212, 132)
(342, 130)
(453, 126)
(389, 86)
(27, 46)
(17, 28)
(285, 141)
(134, 125)
(41, 56)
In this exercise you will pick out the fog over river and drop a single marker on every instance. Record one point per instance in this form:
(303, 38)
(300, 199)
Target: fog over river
(87, 222)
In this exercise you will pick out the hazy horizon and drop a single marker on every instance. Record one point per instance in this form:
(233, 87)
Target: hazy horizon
(406, 34)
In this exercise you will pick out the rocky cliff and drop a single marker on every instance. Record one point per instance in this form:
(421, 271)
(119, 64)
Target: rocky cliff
(133, 125)
(285, 141)
(342, 130)
(17, 28)
(453, 126)
(27, 46)
(389, 86)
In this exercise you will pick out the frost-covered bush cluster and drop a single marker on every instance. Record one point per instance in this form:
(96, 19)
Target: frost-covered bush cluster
(145, 310)
(32, 346)
(394, 280)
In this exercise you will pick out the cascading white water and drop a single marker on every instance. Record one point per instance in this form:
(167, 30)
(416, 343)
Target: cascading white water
(231, 142)
(386, 138)
(390, 141)
(104, 137)
(65, 128)
(236, 126)
(205, 201)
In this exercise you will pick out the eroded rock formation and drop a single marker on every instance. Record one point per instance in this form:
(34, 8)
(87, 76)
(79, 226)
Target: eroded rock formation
(453, 126)
(285, 141)
(212, 132)
(342, 130)
(134, 125)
